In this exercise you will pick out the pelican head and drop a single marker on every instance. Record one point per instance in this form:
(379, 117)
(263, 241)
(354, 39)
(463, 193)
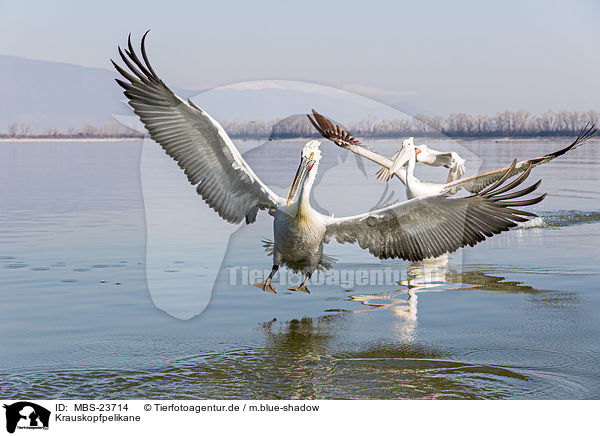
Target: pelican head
(309, 161)
(408, 142)
(408, 147)
(421, 149)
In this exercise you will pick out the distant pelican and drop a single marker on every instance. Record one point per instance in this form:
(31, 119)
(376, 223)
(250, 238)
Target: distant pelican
(412, 230)
(429, 156)
(473, 184)
(414, 187)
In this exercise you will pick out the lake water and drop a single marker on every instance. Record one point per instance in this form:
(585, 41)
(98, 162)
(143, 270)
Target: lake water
(82, 317)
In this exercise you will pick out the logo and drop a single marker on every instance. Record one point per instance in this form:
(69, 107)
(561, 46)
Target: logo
(26, 415)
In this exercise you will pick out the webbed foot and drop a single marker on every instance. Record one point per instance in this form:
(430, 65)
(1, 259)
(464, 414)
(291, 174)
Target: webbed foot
(266, 286)
(301, 288)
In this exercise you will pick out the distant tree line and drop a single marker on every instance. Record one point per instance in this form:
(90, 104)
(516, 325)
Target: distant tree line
(518, 124)
(110, 129)
(502, 124)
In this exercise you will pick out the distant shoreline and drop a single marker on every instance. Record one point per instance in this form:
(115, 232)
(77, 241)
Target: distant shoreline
(70, 139)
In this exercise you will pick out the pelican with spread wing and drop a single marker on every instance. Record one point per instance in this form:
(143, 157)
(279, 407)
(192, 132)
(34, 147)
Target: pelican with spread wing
(473, 184)
(412, 230)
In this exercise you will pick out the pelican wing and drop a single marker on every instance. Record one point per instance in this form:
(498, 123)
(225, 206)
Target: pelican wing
(343, 139)
(195, 141)
(479, 181)
(457, 169)
(439, 158)
(385, 174)
(431, 226)
(451, 160)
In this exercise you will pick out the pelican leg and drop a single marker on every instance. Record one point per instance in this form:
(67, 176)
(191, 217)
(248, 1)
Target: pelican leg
(266, 285)
(302, 287)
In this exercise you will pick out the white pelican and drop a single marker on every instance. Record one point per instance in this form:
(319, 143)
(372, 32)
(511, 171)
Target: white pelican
(412, 230)
(473, 184)
(414, 187)
(434, 158)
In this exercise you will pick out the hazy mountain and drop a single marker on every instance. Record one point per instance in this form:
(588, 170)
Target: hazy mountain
(56, 95)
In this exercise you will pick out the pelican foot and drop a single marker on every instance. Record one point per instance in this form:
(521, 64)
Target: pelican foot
(301, 288)
(265, 286)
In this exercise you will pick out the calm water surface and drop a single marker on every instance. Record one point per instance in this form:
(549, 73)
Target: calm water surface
(514, 317)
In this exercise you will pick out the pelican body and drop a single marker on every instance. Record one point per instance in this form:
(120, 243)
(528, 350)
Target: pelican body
(414, 187)
(298, 229)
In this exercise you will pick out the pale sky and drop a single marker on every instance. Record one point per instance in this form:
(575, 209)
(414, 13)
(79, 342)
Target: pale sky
(434, 57)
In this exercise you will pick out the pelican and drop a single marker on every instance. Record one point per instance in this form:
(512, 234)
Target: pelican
(414, 187)
(473, 184)
(434, 158)
(412, 230)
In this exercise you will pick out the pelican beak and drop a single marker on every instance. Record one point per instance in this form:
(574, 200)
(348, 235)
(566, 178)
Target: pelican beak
(303, 169)
(400, 160)
(417, 152)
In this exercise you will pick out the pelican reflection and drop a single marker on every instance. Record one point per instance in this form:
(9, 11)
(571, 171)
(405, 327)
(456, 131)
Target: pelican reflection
(436, 275)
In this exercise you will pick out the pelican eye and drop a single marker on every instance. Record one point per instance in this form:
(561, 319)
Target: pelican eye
(312, 154)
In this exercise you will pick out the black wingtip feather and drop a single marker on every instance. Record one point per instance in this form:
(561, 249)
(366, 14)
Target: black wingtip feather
(506, 175)
(515, 182)
(585, 134)
(519, 193)
(123, 84)
(333, 132)
(123, 72)
(145, 56)
(133, 69)
(147, 75)
(316, 126)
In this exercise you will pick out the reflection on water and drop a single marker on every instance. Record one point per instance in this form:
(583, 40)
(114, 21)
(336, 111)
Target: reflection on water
(515, 317)
(294, 361)
(435, 275)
